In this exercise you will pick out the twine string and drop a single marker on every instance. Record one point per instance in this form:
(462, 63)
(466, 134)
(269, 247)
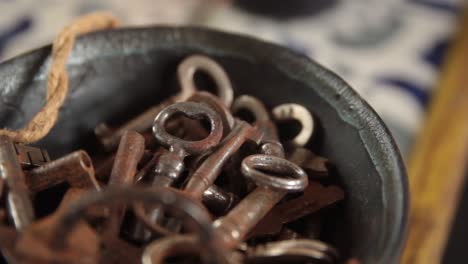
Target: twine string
(57, 78)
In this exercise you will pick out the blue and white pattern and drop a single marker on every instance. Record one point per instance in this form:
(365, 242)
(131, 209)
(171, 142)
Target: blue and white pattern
(389, 51)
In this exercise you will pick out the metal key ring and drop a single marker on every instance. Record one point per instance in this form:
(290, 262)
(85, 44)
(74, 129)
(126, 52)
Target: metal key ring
(302, 115)
(253, 167)
(167, 197)
(186, 73)
(191, 110)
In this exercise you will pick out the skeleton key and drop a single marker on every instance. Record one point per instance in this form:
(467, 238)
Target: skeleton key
(19, 204)
(314, 198)
(129, 153)
(201, 181)
(270, 190)
(171, 163)
(208, 171)
(205, 175)
(186, 73)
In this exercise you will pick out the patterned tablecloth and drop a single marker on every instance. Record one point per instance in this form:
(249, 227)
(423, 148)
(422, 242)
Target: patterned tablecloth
(389, 51)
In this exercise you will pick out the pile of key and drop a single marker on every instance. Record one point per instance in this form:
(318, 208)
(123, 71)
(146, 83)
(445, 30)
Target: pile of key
(198, 178)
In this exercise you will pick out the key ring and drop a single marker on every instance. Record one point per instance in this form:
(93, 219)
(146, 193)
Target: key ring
(191, 110)
(253, 167)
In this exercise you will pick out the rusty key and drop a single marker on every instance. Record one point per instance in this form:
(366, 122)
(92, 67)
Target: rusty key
(208, 171)
(171, 163)
(129, 153)
(270, 190)
(75, 168)
(186, 73)
(200, 183)
(314, 198)
(19, 204)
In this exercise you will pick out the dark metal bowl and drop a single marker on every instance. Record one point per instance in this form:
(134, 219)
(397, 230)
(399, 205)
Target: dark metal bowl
(116, 74)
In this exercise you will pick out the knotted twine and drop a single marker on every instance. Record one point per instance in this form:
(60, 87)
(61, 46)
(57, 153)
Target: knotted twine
(57, 79)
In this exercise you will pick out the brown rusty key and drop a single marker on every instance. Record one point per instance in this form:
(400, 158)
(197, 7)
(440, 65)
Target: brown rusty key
(20, 208)
(270, 190)
(314, 198)
(208, 171)
(75, 168)
(171, 163)
(129, 153)
(186, 73)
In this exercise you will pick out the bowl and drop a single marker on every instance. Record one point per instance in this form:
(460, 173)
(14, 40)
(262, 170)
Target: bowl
(116, 74)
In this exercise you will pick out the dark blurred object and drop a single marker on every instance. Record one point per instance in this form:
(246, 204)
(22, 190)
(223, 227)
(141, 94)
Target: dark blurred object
(456, 246)
(285, 9)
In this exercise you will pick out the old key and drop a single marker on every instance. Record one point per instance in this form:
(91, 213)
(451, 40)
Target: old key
(171, 163)
(270, 190)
